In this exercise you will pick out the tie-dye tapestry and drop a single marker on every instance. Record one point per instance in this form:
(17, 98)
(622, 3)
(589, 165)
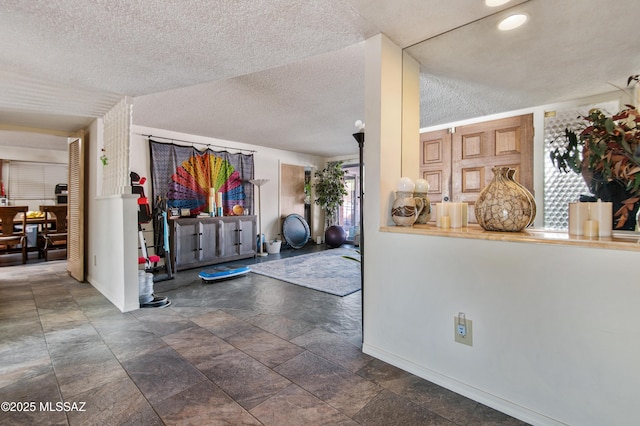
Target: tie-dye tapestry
(184, 176)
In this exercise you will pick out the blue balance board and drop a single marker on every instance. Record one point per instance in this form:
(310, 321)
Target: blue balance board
(221, 272)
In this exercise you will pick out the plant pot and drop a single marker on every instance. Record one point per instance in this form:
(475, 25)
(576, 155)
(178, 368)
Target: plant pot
(273, 247)
(616, 193)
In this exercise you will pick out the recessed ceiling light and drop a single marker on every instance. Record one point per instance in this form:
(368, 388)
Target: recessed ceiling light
(495, 3)
(512, 22)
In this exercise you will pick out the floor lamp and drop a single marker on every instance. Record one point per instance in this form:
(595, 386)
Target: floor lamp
(259, 183)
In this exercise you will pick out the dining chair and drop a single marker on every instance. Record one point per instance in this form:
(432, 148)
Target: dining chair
(53, 237)
(14, 238)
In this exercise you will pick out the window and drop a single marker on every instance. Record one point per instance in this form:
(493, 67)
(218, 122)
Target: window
(349, 212)
(34, 183)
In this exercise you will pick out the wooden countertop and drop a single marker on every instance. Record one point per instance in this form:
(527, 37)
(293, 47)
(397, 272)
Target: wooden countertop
(621, 240)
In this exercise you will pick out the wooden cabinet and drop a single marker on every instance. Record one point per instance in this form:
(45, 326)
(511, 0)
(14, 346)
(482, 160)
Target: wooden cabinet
(208, 240)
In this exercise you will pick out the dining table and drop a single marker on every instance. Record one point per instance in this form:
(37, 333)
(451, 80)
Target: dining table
(33, 218)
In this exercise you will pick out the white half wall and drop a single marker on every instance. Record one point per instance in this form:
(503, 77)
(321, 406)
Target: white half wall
(113, 259)
(554, 340)
(112, 235)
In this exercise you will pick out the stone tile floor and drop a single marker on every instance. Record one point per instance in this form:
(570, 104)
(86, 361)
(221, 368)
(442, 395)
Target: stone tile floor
(251, 350)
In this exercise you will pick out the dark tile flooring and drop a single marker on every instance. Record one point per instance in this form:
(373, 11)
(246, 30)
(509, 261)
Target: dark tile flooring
(251, 350)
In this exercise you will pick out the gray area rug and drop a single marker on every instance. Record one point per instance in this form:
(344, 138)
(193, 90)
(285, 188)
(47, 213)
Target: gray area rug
(326, 271)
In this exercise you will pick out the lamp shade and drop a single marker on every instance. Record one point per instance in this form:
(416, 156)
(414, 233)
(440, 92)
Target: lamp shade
(258, 182)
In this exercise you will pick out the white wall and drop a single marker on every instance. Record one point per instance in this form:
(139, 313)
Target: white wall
(554, 326)
(17, 153)
(266, 166)
(554, 335)
(111, 238)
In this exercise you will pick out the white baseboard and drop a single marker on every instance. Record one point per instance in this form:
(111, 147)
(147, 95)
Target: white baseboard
(478, 395)
(110, 297)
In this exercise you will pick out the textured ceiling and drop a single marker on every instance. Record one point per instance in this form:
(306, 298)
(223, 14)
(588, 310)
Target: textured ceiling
(290, 74)
(568, 49)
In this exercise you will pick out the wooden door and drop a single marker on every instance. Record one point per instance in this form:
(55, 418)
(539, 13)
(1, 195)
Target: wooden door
(435, 164)
(75, 203)
(477, 148)
(291, 189)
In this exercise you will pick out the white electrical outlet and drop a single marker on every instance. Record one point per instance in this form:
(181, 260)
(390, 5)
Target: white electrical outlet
(463, 330)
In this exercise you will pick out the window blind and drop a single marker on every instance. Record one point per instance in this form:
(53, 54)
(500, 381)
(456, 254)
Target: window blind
(35, 181)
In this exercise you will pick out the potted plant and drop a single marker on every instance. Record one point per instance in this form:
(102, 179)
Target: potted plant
(330, 191)
(607, 153)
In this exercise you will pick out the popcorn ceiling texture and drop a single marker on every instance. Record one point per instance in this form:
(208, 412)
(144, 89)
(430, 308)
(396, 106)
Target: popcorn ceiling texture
(141, 47)
(303, 102)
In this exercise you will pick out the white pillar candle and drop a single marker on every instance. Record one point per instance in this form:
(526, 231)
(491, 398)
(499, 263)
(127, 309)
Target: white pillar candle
(591, 228)
(459, 214)
(442, 209)
(603, 213)
(212, 201)
(445, 222)
(455, 211)
(465, 214)
(578, 213)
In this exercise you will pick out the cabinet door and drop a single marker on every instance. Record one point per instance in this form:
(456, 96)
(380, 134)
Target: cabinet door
(237, 236)
(186, 242)
(228, 238)
(208, 243)
(247, 236)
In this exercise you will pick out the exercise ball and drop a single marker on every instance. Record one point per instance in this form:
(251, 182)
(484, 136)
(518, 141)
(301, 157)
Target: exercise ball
(335, 236)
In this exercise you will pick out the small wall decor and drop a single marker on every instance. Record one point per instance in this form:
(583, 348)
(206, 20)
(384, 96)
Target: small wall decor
(103, 157)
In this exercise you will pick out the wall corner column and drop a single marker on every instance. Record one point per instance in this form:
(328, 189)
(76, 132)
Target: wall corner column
(383, 116)
(410, 116)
